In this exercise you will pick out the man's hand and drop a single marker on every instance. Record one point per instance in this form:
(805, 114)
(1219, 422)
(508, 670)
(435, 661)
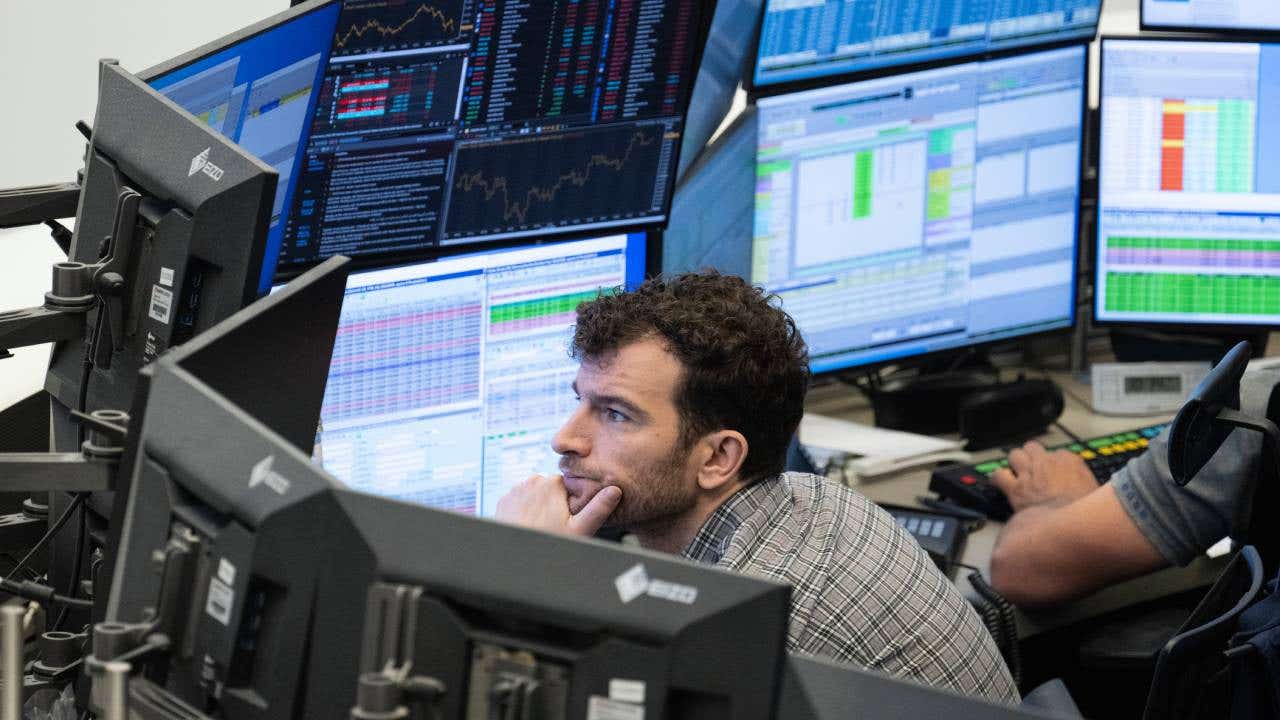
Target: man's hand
(542, 503)
(1041, 477)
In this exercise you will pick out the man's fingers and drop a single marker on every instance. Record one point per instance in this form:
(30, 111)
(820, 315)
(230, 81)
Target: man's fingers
(590, 518)
(1004, 480)
(1019, 461)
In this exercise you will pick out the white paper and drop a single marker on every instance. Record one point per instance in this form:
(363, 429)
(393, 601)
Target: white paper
(830, 433)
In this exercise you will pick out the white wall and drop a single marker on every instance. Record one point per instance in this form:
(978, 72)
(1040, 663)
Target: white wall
(49, 51)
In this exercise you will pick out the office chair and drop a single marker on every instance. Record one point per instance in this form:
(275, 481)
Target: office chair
(1193, 671)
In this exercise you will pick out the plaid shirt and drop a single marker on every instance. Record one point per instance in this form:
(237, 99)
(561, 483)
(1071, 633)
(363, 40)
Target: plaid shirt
(863, 590)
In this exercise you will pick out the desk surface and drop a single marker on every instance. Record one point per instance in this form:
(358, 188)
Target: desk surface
(841, 401)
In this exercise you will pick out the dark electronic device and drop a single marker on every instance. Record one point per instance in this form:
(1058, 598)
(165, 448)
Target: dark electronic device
(272, 573)
(1008, 413)
(970, 485)
(926, 403)
(941, 536)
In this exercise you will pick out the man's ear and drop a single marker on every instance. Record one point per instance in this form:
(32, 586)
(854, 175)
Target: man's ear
(723, 452)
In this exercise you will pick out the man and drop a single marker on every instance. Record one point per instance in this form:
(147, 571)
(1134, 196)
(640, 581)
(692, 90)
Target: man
(1069, 536)
(689, 391)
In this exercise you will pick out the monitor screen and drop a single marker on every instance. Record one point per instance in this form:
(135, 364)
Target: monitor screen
(1211, 14)
(1189, 188)
(806, 39)
(449, 379)
(409, 127)
(923, 212)
(260, 92)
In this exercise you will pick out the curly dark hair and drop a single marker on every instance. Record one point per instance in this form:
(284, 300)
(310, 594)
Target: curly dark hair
(746, 367)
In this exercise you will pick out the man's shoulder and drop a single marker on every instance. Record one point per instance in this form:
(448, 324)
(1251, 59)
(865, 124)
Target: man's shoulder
(813, 511)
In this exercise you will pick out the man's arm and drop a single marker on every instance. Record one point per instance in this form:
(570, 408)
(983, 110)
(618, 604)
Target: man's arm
(1067, 537)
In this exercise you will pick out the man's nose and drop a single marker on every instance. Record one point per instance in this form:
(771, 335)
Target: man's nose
(573, 438)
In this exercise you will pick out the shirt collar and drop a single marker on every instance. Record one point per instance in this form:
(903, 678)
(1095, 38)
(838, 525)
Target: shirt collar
(712, 541)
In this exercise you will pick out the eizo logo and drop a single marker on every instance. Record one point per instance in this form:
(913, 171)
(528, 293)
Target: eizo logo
(262, 473)
(201, 163)
(636, 582)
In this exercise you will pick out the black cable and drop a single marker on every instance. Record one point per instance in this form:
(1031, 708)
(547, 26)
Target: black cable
(62, 520)
(1005, 622)
(76, 566)
(13, 562)
(1074, 437)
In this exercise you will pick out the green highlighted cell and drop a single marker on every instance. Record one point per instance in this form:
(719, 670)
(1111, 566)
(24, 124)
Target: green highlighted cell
(542, 307)
(1214, 244)
(863, 165)
(773, 168)
(1189, 293)
(941, 141)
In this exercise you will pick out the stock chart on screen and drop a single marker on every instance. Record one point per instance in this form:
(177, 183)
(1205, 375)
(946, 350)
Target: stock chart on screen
(400, 127)
(450, 123)
(1189, 199)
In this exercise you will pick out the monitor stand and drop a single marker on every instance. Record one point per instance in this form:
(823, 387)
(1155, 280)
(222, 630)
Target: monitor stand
(1146, 345)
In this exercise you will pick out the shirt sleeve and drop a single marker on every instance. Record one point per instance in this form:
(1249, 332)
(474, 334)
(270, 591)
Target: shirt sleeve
(1182, 522)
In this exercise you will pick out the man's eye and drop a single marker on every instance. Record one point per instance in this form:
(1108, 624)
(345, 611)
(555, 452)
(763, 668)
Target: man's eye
(614, 415)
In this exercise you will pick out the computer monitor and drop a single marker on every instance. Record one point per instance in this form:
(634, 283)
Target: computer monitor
(450, 378)
(809, 39)
(1211, 15)
(923, 212)
(279, 587)
(179, 216)
(455, 124)
(714, 207)
(257, 87)
(1189, 186)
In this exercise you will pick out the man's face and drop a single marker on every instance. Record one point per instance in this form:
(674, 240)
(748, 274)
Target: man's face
(626, 432)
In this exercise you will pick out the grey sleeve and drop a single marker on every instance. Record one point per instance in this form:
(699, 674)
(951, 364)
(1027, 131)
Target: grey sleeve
(1182, 522)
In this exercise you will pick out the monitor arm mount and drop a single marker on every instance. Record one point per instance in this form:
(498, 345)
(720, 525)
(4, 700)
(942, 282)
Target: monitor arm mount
(44, 203)
(79, 288)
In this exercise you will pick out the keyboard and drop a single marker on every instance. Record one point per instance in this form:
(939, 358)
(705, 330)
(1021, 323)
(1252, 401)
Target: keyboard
(970, 485)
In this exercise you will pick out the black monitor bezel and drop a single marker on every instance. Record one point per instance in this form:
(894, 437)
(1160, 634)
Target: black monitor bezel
(1143, 25)
(1096, 240)
(436, 251)
(923, 358)
(755, 91)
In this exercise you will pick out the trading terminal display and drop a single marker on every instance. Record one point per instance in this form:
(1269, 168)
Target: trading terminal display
(806, 39)
(1211, 14)
(456, 122)
(1189, 199)
(449, 379)
(925, 211)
